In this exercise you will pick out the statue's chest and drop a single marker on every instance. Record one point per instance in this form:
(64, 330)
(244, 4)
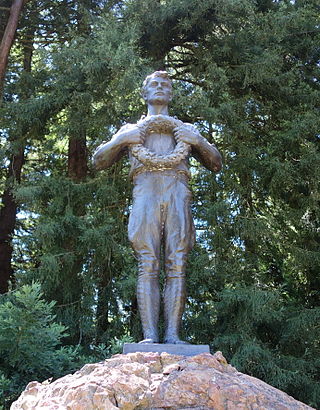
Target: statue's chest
(160, 143)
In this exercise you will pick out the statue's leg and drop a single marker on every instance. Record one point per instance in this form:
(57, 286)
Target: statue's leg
(174, 303)
(148, 295)
(179, 239)
(145, 236)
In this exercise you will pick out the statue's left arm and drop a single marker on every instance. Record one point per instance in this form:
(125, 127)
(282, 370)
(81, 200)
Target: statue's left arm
(201, 149)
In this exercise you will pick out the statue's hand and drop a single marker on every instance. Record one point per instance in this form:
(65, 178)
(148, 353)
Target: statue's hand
(187, 133)
(129, 134)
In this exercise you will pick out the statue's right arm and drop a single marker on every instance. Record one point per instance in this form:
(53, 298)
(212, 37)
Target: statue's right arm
(110, 152)
(107, 154)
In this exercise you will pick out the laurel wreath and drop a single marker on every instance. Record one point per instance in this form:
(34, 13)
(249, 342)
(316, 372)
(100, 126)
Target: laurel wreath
(152, 160)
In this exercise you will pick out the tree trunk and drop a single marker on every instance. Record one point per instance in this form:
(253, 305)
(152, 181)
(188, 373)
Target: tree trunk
(8, 210)
(77, 157)
(73, 292)
(8, 214)
(7, 39)
(103, 287)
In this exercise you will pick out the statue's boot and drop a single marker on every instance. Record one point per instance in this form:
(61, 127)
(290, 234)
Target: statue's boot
(174, 303)
(148, 295)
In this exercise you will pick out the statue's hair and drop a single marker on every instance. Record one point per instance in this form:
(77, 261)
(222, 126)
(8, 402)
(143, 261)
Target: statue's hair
(162, 74)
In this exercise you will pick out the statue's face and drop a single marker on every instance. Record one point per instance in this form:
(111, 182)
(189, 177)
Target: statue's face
(158, 91)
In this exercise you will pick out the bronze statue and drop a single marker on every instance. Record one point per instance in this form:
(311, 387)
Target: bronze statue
(159, 146)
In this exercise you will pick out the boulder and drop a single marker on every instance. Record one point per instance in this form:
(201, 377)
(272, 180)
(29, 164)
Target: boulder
(156, 381)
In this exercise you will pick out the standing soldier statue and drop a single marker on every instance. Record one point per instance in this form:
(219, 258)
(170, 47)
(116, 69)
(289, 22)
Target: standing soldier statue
(159, 147)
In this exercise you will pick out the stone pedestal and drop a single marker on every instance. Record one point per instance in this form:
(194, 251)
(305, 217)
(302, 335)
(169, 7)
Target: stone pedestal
(156, 381)
(177, 349)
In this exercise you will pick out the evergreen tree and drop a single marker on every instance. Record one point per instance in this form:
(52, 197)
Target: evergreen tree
(30, 342)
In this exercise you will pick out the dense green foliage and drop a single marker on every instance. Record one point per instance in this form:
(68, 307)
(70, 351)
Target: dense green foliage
(247, 74)
(30, 342)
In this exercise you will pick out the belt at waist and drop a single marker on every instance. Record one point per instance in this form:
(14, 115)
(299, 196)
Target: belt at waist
(176, 173)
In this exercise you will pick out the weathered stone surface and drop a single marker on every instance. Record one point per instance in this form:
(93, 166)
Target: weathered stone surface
(178, 349)
(156, 381)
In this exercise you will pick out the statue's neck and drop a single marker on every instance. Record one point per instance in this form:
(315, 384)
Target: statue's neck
(157, 110)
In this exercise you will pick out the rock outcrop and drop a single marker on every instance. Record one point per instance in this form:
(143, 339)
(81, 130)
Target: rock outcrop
(156, 381)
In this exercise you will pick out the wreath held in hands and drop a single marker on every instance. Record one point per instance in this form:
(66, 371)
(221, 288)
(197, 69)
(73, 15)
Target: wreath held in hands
(160, 123)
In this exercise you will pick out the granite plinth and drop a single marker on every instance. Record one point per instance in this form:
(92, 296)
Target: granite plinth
(177, 349)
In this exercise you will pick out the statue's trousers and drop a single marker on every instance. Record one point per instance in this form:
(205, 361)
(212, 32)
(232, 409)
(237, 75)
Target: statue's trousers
(161, 216)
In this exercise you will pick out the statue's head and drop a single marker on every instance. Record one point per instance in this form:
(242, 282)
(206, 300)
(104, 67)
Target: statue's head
(157, 88)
